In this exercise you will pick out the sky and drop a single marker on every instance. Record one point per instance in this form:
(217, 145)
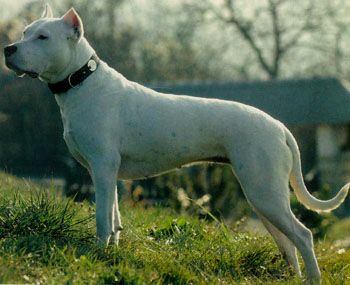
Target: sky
(9, 7)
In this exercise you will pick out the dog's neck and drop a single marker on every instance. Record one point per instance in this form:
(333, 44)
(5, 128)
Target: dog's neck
(80, 56)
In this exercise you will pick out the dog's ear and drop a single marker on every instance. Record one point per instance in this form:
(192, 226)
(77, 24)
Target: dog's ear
(72, 19)
(47, 12)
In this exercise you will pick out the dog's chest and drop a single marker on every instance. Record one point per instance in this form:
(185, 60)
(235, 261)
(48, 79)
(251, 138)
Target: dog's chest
(72, 133)
(73, 145)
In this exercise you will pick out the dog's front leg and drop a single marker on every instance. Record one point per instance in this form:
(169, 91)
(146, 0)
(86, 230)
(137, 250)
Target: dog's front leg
(117, 224)
(104, 177)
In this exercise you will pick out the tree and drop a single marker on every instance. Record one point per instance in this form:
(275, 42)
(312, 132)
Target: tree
(265, 27)
(336, 37)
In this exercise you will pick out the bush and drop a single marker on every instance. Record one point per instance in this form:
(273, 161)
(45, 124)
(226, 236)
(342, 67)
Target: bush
(212, 186)
(41, 215)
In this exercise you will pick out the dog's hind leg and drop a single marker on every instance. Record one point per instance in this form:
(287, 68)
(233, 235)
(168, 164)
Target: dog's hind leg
(274, 206)
(285, 246)
(302, 239)
(264, 178)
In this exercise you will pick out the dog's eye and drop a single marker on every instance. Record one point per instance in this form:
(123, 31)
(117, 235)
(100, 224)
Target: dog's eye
(42, 37)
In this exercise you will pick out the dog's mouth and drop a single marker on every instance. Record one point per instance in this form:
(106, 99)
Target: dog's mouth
(20, 72)
(32, 74)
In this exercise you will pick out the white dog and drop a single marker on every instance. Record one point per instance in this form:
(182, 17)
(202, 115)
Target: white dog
(115, 127)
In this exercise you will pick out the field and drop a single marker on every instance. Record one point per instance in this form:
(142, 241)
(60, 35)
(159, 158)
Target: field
(47, 239)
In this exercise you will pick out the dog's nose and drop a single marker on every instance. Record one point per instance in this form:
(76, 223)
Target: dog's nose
(9, 50)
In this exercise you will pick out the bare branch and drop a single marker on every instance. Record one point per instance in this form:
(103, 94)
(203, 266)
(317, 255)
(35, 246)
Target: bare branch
(244, 29)
(276, 33)
(301, 31)
(280, 37)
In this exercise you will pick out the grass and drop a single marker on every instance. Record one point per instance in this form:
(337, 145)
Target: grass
(46, 239)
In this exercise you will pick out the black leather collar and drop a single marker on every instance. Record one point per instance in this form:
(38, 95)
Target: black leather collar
(76, 78)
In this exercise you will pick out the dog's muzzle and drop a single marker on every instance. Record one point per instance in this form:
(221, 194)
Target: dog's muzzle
(10, 50)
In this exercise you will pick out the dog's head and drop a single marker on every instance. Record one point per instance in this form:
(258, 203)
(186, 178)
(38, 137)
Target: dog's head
(47, 45)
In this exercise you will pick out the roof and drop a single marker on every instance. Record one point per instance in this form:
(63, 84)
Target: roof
(294, 102)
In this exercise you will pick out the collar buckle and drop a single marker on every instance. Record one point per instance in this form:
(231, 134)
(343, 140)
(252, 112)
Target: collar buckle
(70, 83)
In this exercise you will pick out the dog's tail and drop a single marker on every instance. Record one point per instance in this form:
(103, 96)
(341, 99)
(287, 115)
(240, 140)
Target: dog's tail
(300, 190)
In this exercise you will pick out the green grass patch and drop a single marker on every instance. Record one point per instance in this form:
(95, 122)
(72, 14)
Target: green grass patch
(47, 239)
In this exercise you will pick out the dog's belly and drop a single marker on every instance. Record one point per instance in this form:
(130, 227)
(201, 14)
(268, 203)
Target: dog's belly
(140, 170)
(130, 169)
(166, 147)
